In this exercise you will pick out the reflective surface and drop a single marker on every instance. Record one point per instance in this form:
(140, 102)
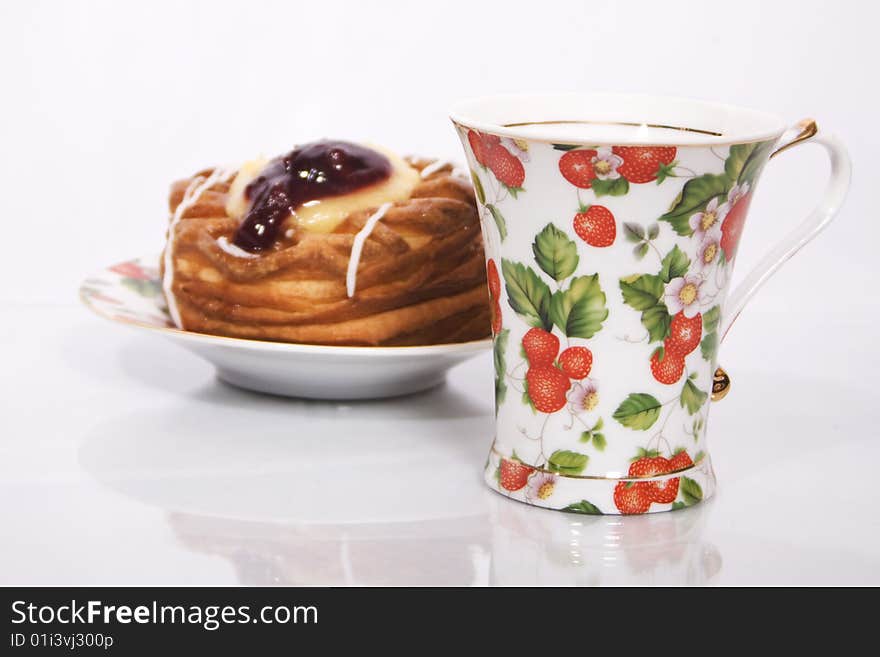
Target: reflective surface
(125, 461)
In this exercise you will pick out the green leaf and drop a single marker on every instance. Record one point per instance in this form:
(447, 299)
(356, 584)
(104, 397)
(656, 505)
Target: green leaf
(690, 491)
(694, 197)
(633, 232)
(674, 265)
(699, 456)
(583, 507)
(599, 441)
(555, 253)
(499, 220)
(567, 462)
(145, 288)
(666, 171)
(564, 147)
(599, 424)
(709, 346)
(737, 158)
(617, 187)
(678, 505)
(498, 347)
(640, 250)
(692, 397)
(527, 294)
(657, 320)
(710, 319)
(638, 411)
(641, 291)
(644, 292)
(580, 310)
(756, 163)
(745, 161)
(586, 436)
(478, 187)
(653, 231)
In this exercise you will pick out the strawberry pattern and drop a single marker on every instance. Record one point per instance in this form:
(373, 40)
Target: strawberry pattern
(129, 292)
(611, 269)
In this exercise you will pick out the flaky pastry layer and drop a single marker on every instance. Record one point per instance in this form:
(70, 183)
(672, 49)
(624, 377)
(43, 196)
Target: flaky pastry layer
(421, 278)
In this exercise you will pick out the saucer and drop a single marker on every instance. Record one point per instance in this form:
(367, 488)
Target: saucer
(131, 293)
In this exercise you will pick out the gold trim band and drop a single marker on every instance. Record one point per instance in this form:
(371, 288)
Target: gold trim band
(665, 475)
(626, 123)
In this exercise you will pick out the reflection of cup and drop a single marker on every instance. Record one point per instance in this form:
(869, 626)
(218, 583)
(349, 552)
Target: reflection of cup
(613, 224)
(532, 548)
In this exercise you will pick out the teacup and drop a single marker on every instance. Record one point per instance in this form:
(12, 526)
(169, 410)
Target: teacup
(611, 225)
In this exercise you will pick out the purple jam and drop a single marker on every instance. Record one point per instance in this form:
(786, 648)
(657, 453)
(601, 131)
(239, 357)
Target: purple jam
(310, 172)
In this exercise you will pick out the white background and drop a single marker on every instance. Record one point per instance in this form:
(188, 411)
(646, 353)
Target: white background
(104, 103)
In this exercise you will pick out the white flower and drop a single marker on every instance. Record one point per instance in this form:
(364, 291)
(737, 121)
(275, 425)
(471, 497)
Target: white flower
(517, 147)
(736, 193)
(712, 216)
(709, 249)
(684, 294)
(583, 397)
(605, 164)
(541, 485)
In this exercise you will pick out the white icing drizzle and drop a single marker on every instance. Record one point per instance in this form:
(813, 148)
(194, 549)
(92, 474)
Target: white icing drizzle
(434, 167)
(193, 193)
(358, 246)
(232, 249)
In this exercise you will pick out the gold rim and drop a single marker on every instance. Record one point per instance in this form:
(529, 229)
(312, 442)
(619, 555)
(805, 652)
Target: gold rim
(626, 123)
(490, 129)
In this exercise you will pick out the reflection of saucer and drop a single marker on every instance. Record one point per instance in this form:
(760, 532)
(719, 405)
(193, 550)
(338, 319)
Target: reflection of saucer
(437, 553)
(229, 454)
(130, 293)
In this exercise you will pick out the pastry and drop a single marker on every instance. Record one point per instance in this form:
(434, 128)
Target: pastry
(333, 243)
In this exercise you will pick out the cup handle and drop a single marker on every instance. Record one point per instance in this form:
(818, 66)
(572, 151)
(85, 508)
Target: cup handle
(816, 221)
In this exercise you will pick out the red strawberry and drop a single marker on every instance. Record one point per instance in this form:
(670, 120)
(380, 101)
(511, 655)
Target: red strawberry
(493, 279)
(495, 313)
(547, 388)
(576, 362)
(595, 225)
(669, 369)
(732, 228)
(684, 334)
(648, 466)
(540, 346)
(131, 270)
(475, 139)
(664, 492)
(506, 166)
(680, 461)
(643, 164)
(577, 167)
(661, 492)
(631, 497)
(513, 475)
